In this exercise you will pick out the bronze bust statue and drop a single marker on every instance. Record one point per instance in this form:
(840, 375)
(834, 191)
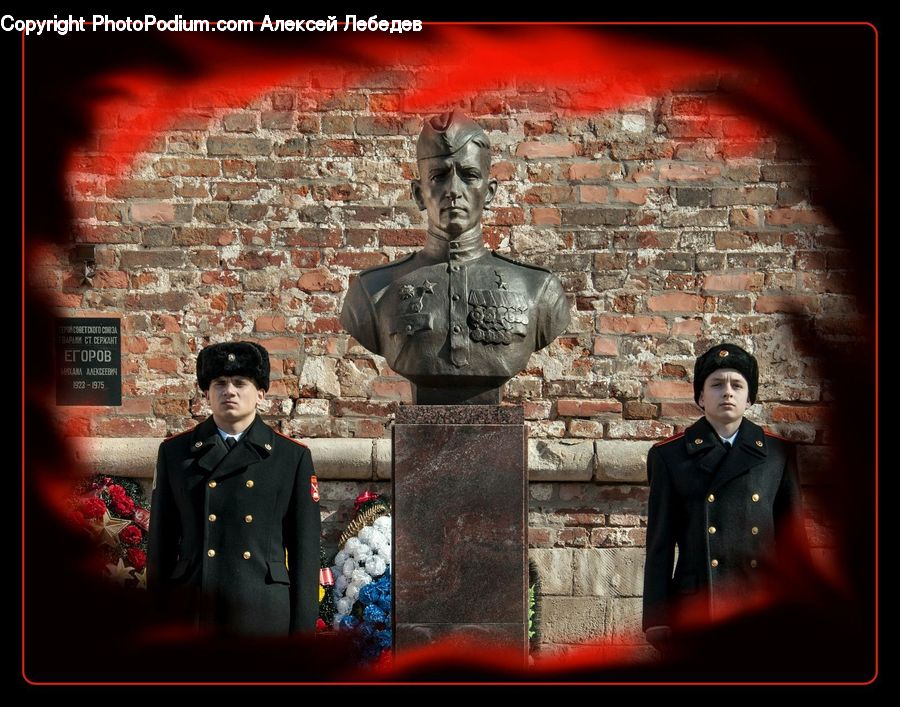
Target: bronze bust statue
(456, 319)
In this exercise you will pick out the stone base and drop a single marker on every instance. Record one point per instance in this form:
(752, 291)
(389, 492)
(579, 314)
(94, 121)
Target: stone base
(459, 522)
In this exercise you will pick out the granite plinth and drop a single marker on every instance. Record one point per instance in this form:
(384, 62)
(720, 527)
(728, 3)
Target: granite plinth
(459, 524)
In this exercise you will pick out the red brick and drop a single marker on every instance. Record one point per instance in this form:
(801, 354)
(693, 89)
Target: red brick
(187, 167)
(140, 189)
(590, 194)
(787, 303)
(392, 389)
(636, 410)
(632, 325)
(305, 258)
(687, 327)
(586, 408)
(630, 195)
(107, 234)
(281, 344)
(737, 282)
(506, 216)
(667, 390)
(791, 217)
(800, 413)
(540, 537)
(171, 407)
(679, 410)
(267, 323)
(258, 259)
(122, 427)
(538, 150)
(235, 191)
(503, 170)
(678, 172)
(574, 537)
(239, 146)
(541, 216)
(323, 325)
(226, 278)
(676, 302)
(605, 346)
(160, 363)
(594, 170)
(590, 429)
(111, 279)
(384, 102)
(134, 344)
(318, 280)
(357, 261)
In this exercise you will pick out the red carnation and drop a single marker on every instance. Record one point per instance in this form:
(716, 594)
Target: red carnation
(131, 535)
(92, 508)
(115, 491)
(320, 625)
(136, 557)
(122, 506)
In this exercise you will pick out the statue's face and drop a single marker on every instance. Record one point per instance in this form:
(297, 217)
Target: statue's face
(454, 190)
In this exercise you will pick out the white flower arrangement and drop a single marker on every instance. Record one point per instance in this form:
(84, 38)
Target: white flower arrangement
(362, 559)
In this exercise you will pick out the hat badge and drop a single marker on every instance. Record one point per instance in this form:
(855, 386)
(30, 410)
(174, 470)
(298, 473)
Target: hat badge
(723, 353)
(231, 357)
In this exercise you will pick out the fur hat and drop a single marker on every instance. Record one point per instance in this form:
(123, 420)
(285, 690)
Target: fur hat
(726, 356)
(233, 358)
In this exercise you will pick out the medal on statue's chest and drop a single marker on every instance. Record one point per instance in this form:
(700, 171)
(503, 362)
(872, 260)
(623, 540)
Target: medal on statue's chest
(497, 315)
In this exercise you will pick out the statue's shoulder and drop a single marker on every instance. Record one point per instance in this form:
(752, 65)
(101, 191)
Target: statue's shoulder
(379, 276)
(516, 263)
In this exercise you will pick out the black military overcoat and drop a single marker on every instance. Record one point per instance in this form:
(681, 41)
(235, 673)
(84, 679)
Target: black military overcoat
(724, 510)
(234, 535)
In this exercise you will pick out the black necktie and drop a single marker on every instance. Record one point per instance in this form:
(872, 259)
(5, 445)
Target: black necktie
(727, 445)
(230, 442)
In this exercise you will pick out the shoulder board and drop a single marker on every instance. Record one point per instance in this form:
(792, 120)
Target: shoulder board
(669, 439)
(386, 265)
(767, 433)
(516, 262)
(180, 434)
(291, 439)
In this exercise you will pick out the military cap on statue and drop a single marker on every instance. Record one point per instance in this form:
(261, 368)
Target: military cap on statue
(446, 134)
(233, 358)
(726, 356)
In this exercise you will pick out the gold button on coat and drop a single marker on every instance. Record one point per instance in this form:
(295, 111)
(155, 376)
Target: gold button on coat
(698, 441)
(759, 443)
(249, 483)
(710, 498)
(248, 519)
(246, 554)
(754, 530)
(212, 484)
(198, 444)
(212, 517)
(268, 446)
(755, 497)
(712, 530)
(211, 552)
(714, 563)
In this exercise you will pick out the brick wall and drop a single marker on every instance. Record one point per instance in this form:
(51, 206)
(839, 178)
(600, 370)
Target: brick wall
(673, 223)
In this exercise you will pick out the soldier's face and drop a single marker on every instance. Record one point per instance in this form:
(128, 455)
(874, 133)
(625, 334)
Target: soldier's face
(233, 399)
(724, 397)
(454, 190)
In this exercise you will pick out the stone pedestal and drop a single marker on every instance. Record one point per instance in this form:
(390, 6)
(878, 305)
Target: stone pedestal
(460, 488)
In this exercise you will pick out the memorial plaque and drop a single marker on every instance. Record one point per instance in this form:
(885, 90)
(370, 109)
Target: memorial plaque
(88, 361)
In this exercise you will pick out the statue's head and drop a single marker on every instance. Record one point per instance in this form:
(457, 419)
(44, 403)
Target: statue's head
(454, 160)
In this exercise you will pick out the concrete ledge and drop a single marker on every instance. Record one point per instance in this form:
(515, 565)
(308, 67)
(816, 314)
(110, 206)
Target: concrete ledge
(549, 460)
(621, 461)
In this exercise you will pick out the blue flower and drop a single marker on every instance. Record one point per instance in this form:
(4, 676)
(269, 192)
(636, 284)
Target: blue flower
(375, 615)
(369, 593)
(348, 623)
(384, 638)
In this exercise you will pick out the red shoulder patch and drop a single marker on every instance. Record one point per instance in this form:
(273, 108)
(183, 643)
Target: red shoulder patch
(179, 434)
(291, 439)
(669, 439)
(314, 488)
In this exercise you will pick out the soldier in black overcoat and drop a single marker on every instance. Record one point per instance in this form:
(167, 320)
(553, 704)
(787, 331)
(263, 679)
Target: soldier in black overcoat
(725, 493)
(235, 524)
